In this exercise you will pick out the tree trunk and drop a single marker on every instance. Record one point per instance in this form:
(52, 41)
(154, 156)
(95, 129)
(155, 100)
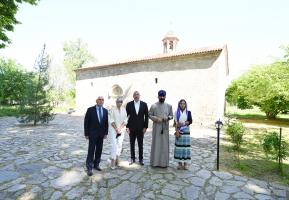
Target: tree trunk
(271, 115)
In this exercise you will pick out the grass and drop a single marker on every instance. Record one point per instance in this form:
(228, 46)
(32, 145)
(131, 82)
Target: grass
(8, 111)
(65, 106)
(256, 116)
(253, 161)
(60, 110)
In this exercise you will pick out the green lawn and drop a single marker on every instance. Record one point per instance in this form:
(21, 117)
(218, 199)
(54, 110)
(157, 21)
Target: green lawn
(253, 162)
(251, 113)
(8, 111)
(256, 116)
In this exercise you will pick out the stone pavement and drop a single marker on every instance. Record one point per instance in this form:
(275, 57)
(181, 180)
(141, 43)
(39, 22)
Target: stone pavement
(47, 162)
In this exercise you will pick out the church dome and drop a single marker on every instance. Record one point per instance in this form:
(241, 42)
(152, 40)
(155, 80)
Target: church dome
(170, 35)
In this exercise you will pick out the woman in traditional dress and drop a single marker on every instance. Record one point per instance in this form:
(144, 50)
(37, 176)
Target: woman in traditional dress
(183, 119)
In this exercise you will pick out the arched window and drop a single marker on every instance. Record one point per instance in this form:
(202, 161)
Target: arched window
(116, 91)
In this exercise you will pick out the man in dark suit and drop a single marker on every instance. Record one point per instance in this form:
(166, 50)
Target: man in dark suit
(95, 130)
(137, 111)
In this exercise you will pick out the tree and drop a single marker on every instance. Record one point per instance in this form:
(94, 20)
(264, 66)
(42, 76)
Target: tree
(265, 87)
(286, 52)
(76, 55)
(36, 106)
(9, 9)
(59, 84)
(234, 96)
(12, 81)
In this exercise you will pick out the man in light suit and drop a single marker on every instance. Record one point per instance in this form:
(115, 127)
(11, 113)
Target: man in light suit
(95, 130)
(137, 111)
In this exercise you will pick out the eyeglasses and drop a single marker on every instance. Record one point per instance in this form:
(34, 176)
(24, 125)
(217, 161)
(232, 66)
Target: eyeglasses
(119, 102)
(101, 99)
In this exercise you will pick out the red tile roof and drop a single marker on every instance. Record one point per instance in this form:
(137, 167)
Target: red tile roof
(204, 50)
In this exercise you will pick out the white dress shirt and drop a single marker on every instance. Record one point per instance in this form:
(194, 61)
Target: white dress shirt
(136, 106)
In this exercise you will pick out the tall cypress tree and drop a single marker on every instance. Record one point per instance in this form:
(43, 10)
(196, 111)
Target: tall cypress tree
(37, 106)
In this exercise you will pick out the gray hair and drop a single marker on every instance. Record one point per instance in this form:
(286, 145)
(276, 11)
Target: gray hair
(136, 92)
(119, 99)
(99, 97)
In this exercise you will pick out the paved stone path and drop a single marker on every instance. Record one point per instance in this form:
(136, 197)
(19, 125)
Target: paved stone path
(47, 162)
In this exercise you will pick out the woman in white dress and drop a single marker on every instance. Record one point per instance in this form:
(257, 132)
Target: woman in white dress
(117, 128)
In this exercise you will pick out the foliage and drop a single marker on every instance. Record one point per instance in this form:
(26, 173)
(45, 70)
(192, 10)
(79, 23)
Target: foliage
(9, 9)
(271, 144)
(286, 51)
(59, 85)
(236, 131)
(243, 103)
(37, 106)
(13, 81)
(8, 111)
(255, 116)
(253, 162)
(265, 87)
(76, 55)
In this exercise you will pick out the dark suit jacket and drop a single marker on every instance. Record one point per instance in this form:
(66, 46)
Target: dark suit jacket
(92, 127)
(137, 121)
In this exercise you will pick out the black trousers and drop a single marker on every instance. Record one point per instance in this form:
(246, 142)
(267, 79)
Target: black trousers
(139, 135)
(94, 152)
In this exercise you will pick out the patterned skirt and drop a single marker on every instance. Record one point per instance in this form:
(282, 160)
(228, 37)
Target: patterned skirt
(182, 151)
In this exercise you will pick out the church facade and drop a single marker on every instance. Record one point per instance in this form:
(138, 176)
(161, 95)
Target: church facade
(198, 76)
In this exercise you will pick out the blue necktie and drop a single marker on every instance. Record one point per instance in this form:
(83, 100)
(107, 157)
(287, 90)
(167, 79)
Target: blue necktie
(100, 114)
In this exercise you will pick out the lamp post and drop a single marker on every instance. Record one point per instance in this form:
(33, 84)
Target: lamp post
(218, 125)
(279, 152)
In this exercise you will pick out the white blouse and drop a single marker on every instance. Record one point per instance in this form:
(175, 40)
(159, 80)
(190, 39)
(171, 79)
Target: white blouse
(183, 116)
(118, 117)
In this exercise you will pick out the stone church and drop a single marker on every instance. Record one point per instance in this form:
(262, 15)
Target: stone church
(197, 75)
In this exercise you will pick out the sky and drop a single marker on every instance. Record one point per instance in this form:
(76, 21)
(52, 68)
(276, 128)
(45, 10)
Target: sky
(114, 30)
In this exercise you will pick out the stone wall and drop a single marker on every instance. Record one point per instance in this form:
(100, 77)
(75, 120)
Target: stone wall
(199, 79)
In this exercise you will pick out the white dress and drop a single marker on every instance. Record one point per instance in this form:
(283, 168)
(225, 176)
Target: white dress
(118, 117)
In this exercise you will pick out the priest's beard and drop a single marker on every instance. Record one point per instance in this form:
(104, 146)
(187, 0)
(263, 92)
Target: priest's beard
(161, 100)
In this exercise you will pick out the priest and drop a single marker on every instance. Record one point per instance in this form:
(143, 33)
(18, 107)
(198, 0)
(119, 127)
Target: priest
(160, 113)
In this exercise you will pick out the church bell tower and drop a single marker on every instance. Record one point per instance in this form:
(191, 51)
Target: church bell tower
(170, 42)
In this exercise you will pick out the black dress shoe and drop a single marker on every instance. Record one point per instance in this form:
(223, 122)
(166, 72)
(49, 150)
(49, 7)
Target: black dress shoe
(141, 162)
(131, 161)
(97, 168)
(89, 173)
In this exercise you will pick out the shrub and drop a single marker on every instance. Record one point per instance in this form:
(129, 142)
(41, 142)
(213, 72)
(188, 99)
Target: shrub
(271, 144)
(236, 132)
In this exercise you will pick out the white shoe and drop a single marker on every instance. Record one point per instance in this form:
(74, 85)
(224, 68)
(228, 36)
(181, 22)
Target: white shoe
(112, 167)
